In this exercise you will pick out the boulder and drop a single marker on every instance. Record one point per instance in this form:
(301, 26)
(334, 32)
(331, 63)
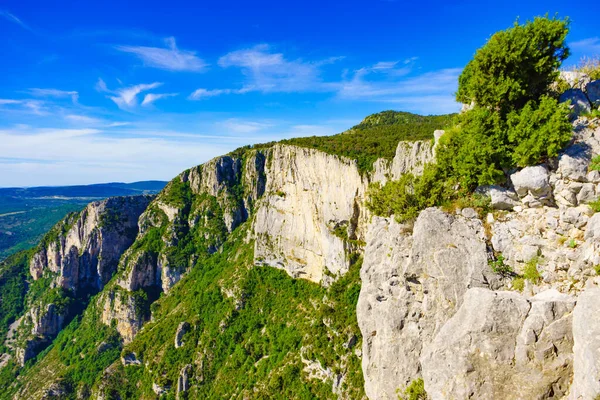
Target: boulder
(500, 198)
(593, 92)
(579, 101)
(532, 184)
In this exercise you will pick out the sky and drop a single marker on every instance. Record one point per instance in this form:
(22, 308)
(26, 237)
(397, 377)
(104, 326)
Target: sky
(104, 91)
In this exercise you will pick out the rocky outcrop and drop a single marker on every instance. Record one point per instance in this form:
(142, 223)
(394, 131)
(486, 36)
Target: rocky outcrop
(84, 250)
(411, 285)
(499, 345)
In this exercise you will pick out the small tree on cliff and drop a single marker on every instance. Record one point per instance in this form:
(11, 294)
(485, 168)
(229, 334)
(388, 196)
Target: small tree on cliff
(516, 65)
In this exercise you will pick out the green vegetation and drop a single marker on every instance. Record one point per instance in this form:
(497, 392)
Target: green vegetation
(516, 66)
(595, 164)
(499, 267)
(13, 289)
(415, 391)
(530, 272)
(376, 137)
(595, 205)
(250, 329)
(514, 123)
(518, 283)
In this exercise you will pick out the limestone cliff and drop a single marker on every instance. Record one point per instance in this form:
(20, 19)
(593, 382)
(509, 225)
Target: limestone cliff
(75, 260)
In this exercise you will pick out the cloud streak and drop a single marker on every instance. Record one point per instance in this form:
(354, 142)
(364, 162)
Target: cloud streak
(589, 46)
(13, 18)
(168, 58)
(152, 97)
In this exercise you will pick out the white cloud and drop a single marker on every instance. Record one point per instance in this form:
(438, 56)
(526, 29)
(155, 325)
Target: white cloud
(30, 156)
(82, 119)
(270, 72)
(126, 98)
(152, 97)
(202, 93)
(170, 58)
(238, 126)
(9, 101)
(589, 47)
(15, 19)
(54, 93)
(422, 93)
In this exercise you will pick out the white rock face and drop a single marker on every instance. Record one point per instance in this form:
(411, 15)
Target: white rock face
(586, 335)
(411, 285)
(308, 194)
(576, 80)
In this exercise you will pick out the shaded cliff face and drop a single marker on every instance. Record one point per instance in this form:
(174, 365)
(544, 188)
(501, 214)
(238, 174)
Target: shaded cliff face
(75, 260)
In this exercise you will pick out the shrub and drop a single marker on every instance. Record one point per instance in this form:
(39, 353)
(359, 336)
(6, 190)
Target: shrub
(513, 124)
(499, 267)
(516, 65)
(530, 272)
(415, 391)
(595, 205)
(595, 164)
(518, 283)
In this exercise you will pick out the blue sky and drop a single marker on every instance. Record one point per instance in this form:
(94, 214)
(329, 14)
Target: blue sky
(133, 90)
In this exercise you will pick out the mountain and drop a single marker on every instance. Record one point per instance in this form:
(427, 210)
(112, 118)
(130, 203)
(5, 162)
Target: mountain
(265, 274)
(27, 213)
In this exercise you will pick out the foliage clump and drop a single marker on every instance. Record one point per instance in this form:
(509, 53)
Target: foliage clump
(514, 122)
(414, 391)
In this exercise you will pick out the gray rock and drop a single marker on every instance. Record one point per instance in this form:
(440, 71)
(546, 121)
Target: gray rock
(411, 285)
(579, 102)
(593, 176)
(499, 345)
(593, 92)
(533, 181)
(500, 198)
(586, 349)
(573, 163)
(183, 381)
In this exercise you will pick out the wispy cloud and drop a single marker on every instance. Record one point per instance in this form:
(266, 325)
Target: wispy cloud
(28, 106)
(202, 93)
(589, 47)
(239, 126)
(57, 93)
(13, 18)
(169, 58)
(126, 98)
(268, 72)
(152, 97)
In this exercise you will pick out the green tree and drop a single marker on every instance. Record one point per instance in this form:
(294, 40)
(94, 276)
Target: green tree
(516, 65)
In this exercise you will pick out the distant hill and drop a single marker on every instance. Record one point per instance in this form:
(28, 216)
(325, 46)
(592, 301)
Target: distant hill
(27, 213)
(97, 190)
